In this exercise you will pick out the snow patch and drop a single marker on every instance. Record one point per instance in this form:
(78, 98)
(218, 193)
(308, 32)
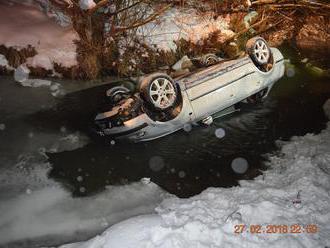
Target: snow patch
(21, 73)
(86, 4)
(41, 61)
(4, 62)
(187, 24)
(26, 25)
(35, 83)
(52, 211)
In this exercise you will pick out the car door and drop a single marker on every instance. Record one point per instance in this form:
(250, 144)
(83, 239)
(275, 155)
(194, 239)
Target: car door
(210, 102)
(247, 83)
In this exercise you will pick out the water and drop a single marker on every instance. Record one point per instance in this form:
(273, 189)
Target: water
(187, 162)
(184, 163)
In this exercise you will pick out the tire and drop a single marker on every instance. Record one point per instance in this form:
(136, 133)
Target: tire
(209, 59)
(259, 51)
(160, 91)
(118, 93)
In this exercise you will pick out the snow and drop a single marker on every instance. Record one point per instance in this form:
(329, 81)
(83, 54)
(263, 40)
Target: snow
(21, 73)
(33, 206)
(53, 211)
(86, 4)
(4, 62)
(188, 24)
(26, 25)
(35, 83)
(183, 63)
(42, 61)
(295, 190)
(69, 142)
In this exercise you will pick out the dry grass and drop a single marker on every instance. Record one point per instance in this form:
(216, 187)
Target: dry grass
(17, 57)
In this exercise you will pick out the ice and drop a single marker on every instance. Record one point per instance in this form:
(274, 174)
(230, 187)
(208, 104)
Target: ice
(52, 211)
(21, 73)
(56, 89)
(240, 165)
(220, 133)
(2, 126)
(35, 83)
(156, 163)
(69, 142)
(86, 4)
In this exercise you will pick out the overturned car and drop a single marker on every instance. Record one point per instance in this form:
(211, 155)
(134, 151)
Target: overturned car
(162, 105)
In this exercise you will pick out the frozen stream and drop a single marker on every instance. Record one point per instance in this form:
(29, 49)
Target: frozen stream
(57, 185)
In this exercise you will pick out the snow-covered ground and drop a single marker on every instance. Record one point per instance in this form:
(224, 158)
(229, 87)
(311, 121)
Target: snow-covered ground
(294, 191)
(188, 24)
(34, 206)
(23, 25)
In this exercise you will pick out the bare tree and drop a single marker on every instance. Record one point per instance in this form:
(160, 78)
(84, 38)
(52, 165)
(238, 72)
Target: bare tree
(101, 28)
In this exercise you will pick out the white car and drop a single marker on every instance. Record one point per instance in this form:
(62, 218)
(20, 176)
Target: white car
(163, 105)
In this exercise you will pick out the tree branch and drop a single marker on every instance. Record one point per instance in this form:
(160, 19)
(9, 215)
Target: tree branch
(145, 21)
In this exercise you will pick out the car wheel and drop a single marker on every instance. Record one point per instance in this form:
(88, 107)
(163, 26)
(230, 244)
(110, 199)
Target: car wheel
(159, 90)
(259, 51)
(118, 93)
(209, 59)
